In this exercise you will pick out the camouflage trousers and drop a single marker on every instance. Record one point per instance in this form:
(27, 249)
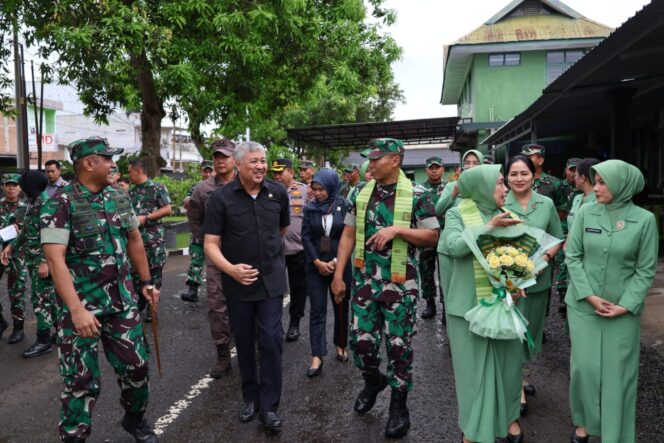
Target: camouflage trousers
(42, 295)
(561, 276)
(195, 272)
(396, 321)
(427, 269)
(126, 350)
(17, 277)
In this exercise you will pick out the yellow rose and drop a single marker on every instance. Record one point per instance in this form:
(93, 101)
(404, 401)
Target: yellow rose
(501, 250)
(494, 261)
(506, 260)
(530, 267)
(521, 260)
(512, 251)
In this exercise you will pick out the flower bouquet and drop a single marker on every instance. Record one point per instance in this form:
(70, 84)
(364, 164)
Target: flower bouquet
(507, 261)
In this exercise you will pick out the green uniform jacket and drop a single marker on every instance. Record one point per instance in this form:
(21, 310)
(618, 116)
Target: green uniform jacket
(460, 296)
(579, 200)
(616, 262)
(541, 214)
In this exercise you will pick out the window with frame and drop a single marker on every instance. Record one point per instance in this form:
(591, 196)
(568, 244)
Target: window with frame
(558, 62)
(505, 59)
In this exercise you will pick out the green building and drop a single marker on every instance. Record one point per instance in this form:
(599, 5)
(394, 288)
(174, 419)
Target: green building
(496, 71)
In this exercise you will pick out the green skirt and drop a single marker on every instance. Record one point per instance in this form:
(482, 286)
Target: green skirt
(487, 376)
(533, 308)
(604, 371)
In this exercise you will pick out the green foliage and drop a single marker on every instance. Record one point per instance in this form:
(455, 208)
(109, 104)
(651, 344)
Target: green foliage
(177, 188)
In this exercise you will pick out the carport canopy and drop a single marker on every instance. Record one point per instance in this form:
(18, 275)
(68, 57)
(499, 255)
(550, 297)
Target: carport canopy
(356, 135)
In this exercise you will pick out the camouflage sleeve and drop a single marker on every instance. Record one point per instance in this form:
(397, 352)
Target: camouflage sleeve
(424, 212)
(54, 220)
(560, 196)
(445, 201)
(351, 215)
(163, 197)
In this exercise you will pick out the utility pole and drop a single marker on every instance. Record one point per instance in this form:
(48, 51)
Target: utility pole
(22, 152)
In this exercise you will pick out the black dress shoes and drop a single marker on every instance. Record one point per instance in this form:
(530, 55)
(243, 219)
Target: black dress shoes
(41, 346)
(366, 399)
(271, 422)
(524, 409)
(577, 438)
(529, 389)
(293, 333)
(430, 310)
(16, 336)
(248, 412)
(315, 372)
(518, 438)
(343, 358)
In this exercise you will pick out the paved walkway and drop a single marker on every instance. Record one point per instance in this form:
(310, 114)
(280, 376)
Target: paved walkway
(653, 313)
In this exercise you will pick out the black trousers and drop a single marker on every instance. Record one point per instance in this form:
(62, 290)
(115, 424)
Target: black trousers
(297, 285)
(262, 318)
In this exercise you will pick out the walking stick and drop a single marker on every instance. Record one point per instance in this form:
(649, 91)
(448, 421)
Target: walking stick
(341, 323)
(155, 332)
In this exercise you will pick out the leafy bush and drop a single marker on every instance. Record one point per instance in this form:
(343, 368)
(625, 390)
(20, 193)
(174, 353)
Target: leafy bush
(177, 188)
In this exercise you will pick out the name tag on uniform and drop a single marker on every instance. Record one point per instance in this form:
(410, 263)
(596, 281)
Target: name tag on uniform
(594, 230)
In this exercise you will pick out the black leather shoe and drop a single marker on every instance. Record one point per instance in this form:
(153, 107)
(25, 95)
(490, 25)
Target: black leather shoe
(577, 438)
(398, 422)
(343, 358)
(529, 389)
(315, 372)
(367, 397)
(73, 440)
(41, 346)
(16, 336)
(248, 412)
(138, 427)
(524, 409)
(271, 422)
(191, 295)
(293, 333)
(430, 310)
(518, 438)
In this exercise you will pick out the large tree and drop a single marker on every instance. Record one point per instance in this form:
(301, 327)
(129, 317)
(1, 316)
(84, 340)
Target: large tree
(235, 62)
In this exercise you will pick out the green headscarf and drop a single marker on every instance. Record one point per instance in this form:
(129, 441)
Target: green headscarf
(623, 180)
(479, 184)
(363, 170)
(477, 153)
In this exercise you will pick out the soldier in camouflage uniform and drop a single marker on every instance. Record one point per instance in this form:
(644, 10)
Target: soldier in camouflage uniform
(151, 203)
(569, 188)
(351, 179)
(195, 271)
(12, 211)
(428, 256)
(385, 289)
(88, 232)
(33, 184)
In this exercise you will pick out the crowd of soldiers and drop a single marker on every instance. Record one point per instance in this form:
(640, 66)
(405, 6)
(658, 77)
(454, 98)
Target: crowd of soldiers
(108, 238)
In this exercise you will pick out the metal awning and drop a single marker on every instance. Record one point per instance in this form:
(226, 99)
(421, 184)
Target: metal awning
(356, 135)
(625, 66)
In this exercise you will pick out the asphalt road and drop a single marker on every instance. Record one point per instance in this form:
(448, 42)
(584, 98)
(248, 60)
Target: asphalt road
(188, 406)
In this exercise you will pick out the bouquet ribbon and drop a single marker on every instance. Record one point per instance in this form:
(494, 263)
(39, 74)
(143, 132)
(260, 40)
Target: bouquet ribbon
(500, 295)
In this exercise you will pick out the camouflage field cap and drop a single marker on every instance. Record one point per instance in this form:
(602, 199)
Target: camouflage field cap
(91, 146)
(223, 146)
(307, 164)
(434, 161)
(207, 164)
(280, 164)
(380, 147)
(572, 163)
(350, 168)
(10, 178)
(533, 149)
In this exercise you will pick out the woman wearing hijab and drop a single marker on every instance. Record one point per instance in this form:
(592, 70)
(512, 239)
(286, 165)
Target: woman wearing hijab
(539, 212)
(321, 231)
(487, 372)
(612, 260)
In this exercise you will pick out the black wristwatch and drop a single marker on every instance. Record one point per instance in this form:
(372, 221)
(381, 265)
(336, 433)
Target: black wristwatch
(145, 282)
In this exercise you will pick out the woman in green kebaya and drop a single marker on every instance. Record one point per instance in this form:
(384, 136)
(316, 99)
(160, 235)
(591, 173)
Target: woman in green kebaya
(487, 372)
(537, 211)
(612, 260)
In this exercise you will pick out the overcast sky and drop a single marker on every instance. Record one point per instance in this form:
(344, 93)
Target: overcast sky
(424, 26)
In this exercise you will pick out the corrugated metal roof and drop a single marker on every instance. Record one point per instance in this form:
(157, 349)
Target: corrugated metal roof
(529, 28)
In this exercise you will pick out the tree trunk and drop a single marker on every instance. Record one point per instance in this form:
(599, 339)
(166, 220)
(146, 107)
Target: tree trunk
(151, 114)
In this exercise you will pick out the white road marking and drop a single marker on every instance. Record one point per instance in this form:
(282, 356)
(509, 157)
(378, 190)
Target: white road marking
(204, 383)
